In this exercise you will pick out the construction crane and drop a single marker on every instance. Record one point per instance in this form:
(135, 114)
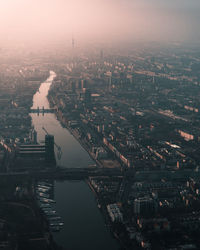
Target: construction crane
(59, 150)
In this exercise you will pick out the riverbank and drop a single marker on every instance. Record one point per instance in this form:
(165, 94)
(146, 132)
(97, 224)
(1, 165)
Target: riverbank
(117, 230)
(104, 163)
(84, 226)
(101, 204)
(76, 136)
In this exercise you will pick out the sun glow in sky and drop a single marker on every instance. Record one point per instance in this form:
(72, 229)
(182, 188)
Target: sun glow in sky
(31, 20)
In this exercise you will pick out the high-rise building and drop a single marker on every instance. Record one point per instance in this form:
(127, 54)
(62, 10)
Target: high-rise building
(144, 206)
(49, 148)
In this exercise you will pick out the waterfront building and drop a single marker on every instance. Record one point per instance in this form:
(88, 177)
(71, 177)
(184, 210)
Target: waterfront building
(114, 212)
(49, 148)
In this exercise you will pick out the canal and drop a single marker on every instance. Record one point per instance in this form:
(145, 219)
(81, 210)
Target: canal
(84, 226)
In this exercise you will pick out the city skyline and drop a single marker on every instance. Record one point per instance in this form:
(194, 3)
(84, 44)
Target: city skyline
(99, 124)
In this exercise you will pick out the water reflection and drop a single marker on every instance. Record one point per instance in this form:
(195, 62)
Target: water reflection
(40, 98)
(84, 226)
(73, 155)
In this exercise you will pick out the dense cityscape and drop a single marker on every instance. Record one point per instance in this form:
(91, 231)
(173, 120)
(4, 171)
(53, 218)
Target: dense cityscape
(135, 113)
(99, 125)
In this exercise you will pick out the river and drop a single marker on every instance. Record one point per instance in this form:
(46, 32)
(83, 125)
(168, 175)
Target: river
(84, 226)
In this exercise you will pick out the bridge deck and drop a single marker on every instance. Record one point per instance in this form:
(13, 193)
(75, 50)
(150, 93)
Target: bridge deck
(42, 110)
(67, 173)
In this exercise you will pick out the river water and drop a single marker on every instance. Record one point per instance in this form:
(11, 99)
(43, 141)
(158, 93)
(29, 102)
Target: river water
(84, 226)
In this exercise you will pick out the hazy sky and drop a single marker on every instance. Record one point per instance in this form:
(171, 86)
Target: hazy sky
(54, 20)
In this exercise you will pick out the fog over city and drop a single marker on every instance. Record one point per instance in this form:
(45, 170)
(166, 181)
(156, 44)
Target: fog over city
(99, 124)
(33, 21)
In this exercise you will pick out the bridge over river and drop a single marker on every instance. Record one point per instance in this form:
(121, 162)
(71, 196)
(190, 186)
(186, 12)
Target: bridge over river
(42, 110)
(71, 197)
(62, 173)
(84, 173)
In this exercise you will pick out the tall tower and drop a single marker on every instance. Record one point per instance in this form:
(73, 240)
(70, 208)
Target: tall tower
(73, 42)
(73, 51)
(109, 74)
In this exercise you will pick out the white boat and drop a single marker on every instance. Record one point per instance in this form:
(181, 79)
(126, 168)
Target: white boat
(43, 190)
(44, 187)
(45, 184)
(57, 224)
(50, 213)
(45, 200)
(43, 195)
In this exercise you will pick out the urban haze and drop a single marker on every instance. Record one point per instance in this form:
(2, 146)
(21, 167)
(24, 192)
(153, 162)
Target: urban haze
(99, 124)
